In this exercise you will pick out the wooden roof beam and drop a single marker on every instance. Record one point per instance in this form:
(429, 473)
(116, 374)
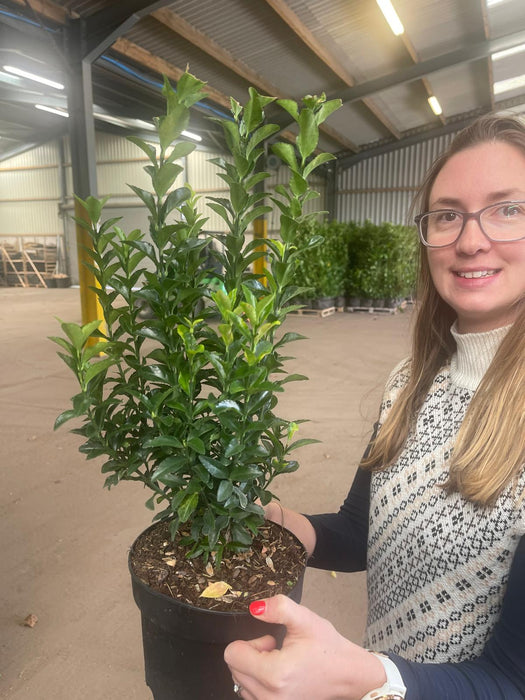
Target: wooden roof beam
(179, 25)
(306, 36)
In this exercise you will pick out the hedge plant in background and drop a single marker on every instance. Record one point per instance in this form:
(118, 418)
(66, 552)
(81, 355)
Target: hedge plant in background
(322, 260)
(381, 260)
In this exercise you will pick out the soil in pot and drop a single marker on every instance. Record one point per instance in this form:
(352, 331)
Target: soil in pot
(273, 565)
(184, 644)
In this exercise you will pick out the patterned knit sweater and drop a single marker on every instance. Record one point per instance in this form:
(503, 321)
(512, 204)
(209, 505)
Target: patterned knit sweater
(437, 565)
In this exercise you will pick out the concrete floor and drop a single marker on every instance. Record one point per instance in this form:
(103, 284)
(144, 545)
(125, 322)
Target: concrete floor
(64, 539)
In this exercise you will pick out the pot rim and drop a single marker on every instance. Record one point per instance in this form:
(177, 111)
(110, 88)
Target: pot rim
(218, 613)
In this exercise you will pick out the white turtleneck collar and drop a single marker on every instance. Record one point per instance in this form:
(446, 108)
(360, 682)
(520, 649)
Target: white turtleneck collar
(474, 354)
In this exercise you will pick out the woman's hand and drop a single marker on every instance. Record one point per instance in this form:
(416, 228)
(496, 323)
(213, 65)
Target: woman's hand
(315, 662)
(293, 521)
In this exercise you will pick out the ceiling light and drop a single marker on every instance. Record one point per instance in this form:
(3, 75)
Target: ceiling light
(144, 125)
(191, 135)
(391, 16)
(10, 79)
(109, 119)
(434, 105)
(491, 3)
(53, 110)
(509, 84)
(32, 76)
(508, 52)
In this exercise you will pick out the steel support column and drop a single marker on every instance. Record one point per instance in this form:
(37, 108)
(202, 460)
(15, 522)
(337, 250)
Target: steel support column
(85, 41)
(83, 156)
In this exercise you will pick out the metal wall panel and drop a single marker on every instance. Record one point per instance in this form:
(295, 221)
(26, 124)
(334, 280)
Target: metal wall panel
(382, 188)
(203, 177)
(26, 218)
(30, 192)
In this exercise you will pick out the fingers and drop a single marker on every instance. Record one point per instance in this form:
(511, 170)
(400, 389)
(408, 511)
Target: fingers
(282, 610)
(261, 644)
(244, 658)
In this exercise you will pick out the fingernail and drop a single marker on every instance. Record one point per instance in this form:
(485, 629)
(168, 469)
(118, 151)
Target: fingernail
(257, 607)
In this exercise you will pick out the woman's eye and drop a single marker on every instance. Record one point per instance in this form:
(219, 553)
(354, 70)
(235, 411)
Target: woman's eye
(447, 217)
(511, 210)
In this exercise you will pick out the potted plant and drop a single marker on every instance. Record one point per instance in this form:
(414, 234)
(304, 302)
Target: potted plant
(183, 399)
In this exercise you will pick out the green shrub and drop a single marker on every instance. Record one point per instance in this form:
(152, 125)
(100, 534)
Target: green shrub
(381, 260)
(322, 267)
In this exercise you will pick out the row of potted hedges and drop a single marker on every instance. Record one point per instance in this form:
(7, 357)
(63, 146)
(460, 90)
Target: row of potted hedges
(368, 264)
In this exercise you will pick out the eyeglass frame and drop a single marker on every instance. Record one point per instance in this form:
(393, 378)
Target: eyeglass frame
(476, 215)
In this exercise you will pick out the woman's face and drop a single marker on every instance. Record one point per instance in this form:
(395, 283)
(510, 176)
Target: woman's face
(481, 280)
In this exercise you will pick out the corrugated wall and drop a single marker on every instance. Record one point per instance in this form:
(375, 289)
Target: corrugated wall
(34, 190)
(379, 188)
(382, 188)
(30, 193)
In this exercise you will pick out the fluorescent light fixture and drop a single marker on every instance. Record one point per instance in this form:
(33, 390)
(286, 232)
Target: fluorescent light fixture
(53, 110)
(144, 125)
(491, 3)
(109, 119)
(508, 52)
(191, 135)
(118, 121)
(391, 17)
(10, 79)
(509, 84)
(31, 76)
(434, 105)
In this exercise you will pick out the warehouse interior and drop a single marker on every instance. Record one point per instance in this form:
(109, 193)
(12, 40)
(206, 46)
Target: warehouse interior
(64, 538)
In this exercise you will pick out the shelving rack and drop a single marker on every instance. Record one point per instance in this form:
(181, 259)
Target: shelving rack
(29, 261)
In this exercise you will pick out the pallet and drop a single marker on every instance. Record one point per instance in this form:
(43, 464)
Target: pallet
(321, 313)
(373, 309)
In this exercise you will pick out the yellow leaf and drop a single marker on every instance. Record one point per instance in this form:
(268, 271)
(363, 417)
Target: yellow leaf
(333, 574)
(215, 590)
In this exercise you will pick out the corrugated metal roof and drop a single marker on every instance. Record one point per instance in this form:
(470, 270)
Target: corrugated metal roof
(285, 47)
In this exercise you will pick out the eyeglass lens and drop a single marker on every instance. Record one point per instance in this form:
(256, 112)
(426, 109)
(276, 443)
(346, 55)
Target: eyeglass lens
(504, 221)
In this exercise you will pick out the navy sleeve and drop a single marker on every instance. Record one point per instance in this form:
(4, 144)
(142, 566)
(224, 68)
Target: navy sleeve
(498, 674)
(342, 538)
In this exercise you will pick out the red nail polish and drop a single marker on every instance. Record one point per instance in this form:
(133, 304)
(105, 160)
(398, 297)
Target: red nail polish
(257, 607)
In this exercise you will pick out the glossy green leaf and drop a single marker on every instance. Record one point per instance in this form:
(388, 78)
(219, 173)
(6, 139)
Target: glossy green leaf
(188, 506)
(213, 466)
(224, 491)
(148, 149)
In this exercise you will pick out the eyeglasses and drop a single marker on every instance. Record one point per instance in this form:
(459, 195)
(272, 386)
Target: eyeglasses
(501, 222)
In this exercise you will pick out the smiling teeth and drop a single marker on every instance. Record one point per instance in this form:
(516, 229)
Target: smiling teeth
(478, 273)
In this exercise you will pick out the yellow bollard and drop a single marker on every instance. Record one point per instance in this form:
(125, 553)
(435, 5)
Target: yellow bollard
(260, 230)
(89, 303)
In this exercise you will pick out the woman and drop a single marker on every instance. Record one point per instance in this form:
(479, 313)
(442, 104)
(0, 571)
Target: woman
(436, 513)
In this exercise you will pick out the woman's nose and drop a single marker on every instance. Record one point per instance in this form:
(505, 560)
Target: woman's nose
(472, 238)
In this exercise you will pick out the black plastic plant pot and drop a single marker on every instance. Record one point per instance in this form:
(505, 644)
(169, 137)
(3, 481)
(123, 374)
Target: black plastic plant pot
(184, 645)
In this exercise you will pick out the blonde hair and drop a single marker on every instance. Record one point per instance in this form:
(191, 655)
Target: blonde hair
(489, 451)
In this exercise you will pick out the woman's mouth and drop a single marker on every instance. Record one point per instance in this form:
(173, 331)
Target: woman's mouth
(476, 274)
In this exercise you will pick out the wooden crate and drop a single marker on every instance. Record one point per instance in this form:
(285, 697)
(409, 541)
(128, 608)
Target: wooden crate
(28, 261)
